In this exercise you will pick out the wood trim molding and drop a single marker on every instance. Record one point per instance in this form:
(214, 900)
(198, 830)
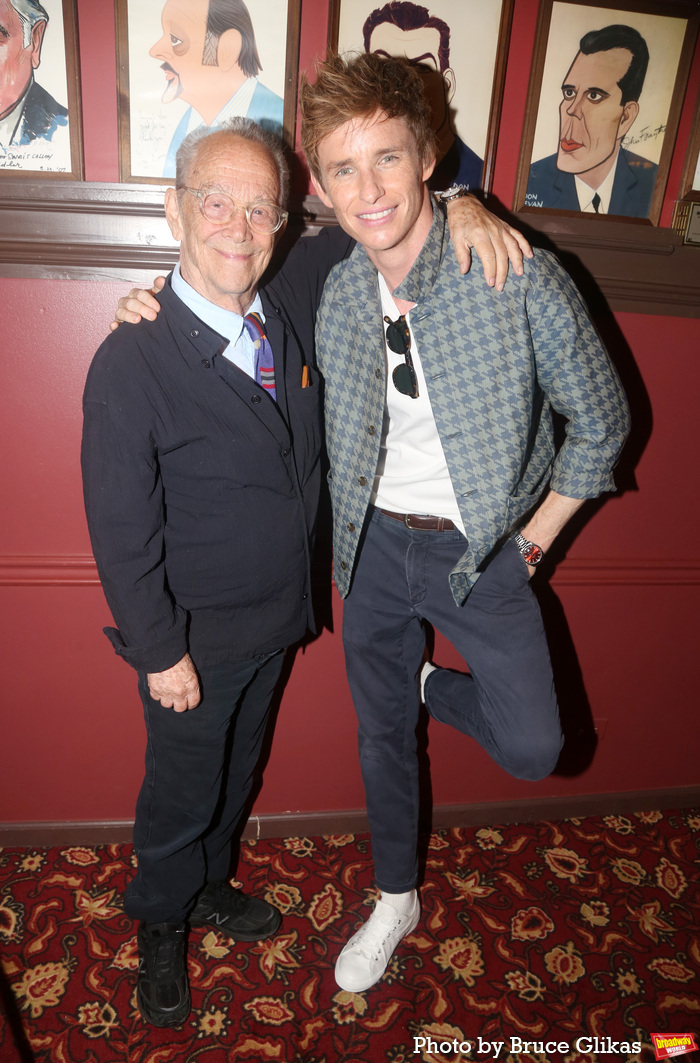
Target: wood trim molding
(100, 231)
(59, 570)
(631, 266)
(79, 570)
(354, 821)
(620, 572)
(92, 231)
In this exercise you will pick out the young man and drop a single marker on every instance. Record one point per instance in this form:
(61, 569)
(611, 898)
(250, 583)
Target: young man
(445, 484)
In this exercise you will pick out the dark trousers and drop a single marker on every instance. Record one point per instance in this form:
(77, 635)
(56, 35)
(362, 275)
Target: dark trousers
(507, 704)
(200, 767)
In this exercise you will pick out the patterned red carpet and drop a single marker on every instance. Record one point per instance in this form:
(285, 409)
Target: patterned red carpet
(580, 936)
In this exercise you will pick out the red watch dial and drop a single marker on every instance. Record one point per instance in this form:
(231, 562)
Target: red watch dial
(532, 555)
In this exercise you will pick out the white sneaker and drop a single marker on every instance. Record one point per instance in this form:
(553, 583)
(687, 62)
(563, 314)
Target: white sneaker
(364, 959)
(425, 671)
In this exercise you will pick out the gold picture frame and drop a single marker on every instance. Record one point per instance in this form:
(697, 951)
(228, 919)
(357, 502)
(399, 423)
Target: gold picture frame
(599, 133)
(174, 77)
(41, 137)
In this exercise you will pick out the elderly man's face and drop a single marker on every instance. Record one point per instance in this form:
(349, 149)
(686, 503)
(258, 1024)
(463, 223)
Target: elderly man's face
(181, 50)
(592, 120)
(16, 61)
(224, 263)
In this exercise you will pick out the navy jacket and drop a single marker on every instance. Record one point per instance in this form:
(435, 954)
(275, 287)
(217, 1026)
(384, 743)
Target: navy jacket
(460, 166)
(41, 116)
(201, 493)
(633, 186)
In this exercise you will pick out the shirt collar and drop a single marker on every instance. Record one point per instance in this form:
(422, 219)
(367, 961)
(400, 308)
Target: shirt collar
(585, 193)
(425, 270)
(226, 322)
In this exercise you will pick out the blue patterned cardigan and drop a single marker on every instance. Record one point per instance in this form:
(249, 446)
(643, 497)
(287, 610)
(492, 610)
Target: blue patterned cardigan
(496, 364)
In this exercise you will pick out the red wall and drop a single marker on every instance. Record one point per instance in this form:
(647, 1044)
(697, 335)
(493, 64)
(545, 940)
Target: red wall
(621, 606)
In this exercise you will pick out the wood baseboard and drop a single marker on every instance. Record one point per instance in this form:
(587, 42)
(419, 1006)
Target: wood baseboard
(80, 570)
(354, 821)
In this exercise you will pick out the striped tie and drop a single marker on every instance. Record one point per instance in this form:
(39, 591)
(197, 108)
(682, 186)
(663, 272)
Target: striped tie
(264, 362)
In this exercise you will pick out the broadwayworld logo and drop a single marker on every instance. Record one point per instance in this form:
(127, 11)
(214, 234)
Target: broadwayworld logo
(672, 1044)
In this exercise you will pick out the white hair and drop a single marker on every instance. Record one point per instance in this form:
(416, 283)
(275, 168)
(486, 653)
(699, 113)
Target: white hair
(30, 12)
(245, 129)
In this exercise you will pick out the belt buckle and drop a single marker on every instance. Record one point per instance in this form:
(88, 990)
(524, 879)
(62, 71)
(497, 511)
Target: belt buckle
(407, 519)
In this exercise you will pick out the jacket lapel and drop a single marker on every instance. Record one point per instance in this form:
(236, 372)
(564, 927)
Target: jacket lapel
(277, 335)
(565, 188)
(271, 414)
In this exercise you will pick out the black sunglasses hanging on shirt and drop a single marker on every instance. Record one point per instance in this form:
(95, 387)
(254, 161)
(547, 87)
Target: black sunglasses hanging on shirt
(398, 337)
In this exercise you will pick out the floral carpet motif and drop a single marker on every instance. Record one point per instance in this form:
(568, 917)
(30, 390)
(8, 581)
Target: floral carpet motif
(569, 942)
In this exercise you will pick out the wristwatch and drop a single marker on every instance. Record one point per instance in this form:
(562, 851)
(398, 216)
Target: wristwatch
(532, 553)
(453, 192)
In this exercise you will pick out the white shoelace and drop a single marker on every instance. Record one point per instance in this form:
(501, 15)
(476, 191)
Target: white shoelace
(371, 937)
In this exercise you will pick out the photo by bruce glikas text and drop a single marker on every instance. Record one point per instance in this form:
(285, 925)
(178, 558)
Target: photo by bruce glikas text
(516, 1046)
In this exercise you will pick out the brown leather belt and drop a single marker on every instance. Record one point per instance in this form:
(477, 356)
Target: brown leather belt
(421, 523)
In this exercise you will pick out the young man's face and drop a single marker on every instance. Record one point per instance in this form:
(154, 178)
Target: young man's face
(224, 263)
(592, 120)
(181, 52)
(16, 61)
(373, 176)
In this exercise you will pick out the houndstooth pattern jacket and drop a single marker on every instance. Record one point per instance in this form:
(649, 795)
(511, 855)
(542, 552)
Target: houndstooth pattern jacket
(496, 364)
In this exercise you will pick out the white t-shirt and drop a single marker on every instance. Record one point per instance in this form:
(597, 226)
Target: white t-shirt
(412, 474)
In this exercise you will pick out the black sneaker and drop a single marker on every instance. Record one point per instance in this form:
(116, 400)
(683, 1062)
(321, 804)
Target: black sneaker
(235, 914)
(162, 992)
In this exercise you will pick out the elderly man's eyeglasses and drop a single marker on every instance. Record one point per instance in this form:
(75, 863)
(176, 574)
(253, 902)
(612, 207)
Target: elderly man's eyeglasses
(398, 337)
(218, 207)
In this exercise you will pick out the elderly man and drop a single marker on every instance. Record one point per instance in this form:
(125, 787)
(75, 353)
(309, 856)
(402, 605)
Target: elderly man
(445, 483)
(210, 60)
(591, 171)
(201, 470)
(27, 111)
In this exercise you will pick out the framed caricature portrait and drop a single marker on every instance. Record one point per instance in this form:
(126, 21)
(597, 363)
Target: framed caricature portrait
(41, 129)
(177, 72)
(464, 81)
(604, 101)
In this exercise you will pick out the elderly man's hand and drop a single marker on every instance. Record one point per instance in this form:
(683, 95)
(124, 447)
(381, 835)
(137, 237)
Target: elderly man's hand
(140, 302)
(177, 687)
(495, 242)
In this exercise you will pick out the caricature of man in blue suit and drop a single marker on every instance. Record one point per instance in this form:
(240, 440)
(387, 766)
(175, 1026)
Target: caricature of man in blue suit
(210, 60)
(591, 171)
